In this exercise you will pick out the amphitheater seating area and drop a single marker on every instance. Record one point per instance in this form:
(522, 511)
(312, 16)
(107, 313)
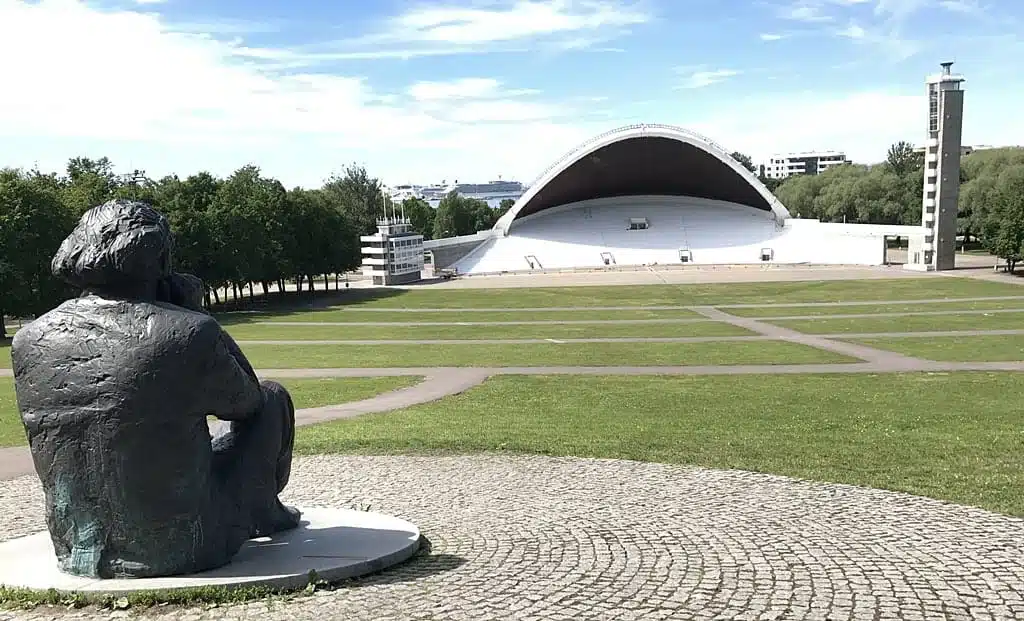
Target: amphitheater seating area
(660, 230)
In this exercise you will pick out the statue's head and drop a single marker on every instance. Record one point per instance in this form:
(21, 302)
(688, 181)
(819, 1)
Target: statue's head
(117, 246)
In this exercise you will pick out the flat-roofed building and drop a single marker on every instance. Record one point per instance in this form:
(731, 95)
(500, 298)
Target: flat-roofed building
(806, 163)
(394, 254)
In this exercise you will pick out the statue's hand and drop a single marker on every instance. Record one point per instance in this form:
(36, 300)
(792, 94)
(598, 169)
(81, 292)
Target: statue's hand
(184, 290)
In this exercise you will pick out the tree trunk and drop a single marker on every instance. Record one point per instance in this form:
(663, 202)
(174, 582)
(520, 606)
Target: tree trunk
(312, 283)
(216, 297)
(234, 291)
(250, 290)
(3, 328)
(266, 287)
(325, 283)
(337, 283)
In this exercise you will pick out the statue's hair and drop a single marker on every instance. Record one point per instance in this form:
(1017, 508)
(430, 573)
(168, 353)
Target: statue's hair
(119, 242)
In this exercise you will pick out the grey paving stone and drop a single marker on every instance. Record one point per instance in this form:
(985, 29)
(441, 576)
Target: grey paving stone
(562, 538)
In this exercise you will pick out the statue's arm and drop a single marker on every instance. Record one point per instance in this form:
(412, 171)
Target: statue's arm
(232, 390)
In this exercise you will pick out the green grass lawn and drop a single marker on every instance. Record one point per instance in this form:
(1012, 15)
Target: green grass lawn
(795, 311)
(354, 315)
(256, 332)
(306, 393)
(684, 294)
(955, 349)
(11, 431)
(534, 354)
(5, 354)
(950, 436)
(918, 323)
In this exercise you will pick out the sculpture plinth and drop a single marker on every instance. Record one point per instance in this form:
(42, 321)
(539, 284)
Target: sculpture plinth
(334, 544)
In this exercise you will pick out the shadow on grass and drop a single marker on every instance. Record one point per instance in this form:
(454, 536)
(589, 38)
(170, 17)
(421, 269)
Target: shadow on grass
(276, 304)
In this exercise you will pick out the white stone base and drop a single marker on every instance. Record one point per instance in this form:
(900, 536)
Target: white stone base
(335, 543)
(919, 267)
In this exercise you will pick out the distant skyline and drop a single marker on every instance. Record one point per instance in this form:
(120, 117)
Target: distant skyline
(424, 90)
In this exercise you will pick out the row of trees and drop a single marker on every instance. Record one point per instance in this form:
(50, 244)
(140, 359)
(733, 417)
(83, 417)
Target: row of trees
(249, 230)
(990, 210)
(236, 233)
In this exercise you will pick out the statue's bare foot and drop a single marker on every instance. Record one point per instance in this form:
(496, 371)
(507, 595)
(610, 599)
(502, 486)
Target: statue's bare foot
(281, 518)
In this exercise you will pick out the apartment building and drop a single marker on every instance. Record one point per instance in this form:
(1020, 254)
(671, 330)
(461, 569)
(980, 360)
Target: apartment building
(807, 163)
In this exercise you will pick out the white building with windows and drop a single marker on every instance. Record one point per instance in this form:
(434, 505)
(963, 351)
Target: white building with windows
(807, 163)
(394, 254)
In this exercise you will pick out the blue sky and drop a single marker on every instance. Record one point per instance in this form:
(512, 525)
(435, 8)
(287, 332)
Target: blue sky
(427, 90)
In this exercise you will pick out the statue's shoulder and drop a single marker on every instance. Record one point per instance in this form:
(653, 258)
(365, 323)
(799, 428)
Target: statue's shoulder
(45, 323)
(201, 326)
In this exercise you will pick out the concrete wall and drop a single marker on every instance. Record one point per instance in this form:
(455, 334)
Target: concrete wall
(447, 252)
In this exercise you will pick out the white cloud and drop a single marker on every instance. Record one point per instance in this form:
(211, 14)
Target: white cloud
(853, 31)
(702, 78)
(558, 24)
(805, 11)
(767, 36)
(150, 1)
(187, 101)
(966, 7)
(863, 124)
(463, 88)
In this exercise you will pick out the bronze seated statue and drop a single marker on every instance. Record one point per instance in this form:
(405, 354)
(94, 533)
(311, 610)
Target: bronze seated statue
(114, 389)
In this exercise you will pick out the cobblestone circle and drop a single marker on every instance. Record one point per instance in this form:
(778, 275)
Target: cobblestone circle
(562, 538)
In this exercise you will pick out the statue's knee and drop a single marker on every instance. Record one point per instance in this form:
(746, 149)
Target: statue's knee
(276, 396)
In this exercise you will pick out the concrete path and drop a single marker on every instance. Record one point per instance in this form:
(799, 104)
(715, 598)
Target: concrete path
(424, 324)
(358, 309)
(664, 320)
(889, 359)
(434, 386)
(983, 311)
(641, 339)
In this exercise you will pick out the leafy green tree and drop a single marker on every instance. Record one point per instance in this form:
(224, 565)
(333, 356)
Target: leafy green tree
(745, 160)
(504, 206)
(902, 158)
(1004, 225)
(88, 183)
(421, 215)
(458, 215)
(770, 183)
(33, 222)
(357, 195)
(979, 174)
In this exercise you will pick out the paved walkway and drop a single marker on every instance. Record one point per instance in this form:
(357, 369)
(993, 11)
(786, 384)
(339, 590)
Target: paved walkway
(638, 339)
(558, 539)
(659, 320)
(374, 309)
(893, 361)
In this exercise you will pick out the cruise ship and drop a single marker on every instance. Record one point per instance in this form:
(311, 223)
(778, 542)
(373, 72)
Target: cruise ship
(492, 191)
(495, 189)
